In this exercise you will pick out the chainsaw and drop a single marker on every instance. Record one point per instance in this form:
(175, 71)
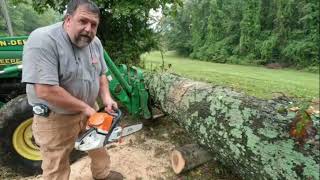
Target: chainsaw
(102, 129)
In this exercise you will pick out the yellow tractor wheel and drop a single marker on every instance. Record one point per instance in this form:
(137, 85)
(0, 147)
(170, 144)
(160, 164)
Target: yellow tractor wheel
(24, 143)
(16, 136)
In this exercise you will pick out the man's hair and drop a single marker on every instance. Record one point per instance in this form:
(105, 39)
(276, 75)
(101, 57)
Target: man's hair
(74, 4)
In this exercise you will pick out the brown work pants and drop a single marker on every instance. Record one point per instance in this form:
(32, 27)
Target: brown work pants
(56, 136)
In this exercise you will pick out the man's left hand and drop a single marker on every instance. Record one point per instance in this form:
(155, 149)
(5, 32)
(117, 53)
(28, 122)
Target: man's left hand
(110, 106)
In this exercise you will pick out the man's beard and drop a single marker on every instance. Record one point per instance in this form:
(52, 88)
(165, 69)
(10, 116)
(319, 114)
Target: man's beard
(82, 40)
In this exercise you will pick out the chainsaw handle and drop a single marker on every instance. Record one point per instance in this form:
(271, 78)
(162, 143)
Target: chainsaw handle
(116, 119)
(115, 123)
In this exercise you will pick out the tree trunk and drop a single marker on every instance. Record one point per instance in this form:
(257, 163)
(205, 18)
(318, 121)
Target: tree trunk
(187, 157)
(249, 135)
(4, 9)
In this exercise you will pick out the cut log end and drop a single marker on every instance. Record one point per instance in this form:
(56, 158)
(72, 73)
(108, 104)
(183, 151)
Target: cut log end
(177, 161)
(187, 157)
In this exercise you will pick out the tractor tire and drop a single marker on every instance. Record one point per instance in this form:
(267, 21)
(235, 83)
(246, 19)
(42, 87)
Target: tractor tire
(16, 140)
(16, 136)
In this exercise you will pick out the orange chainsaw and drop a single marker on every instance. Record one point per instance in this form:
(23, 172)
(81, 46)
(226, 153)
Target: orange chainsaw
(102, 129)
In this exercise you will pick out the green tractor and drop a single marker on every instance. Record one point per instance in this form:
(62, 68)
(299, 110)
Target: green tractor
(126, 85)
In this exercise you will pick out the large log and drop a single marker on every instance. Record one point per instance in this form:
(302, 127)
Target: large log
(249, 135)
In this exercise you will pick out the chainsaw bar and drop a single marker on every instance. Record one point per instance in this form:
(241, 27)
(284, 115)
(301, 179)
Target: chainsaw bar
(131, 129)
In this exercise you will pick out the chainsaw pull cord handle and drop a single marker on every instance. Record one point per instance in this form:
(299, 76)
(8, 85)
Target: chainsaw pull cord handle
(115, 123)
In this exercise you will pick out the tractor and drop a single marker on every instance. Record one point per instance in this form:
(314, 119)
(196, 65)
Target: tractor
(126, 86)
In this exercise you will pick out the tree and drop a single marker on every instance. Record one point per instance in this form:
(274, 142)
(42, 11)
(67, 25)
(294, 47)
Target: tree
(25, 19)
(178, 35)
(124, 28)
(4, 10)
(250, 26)
(250, 31)
(257, 139)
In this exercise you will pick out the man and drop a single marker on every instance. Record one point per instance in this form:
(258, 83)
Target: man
(64, 69)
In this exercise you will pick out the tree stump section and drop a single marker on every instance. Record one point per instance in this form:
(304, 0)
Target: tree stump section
(188, 157)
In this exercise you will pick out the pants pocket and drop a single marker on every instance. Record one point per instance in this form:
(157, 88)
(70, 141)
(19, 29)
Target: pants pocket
(55, 131)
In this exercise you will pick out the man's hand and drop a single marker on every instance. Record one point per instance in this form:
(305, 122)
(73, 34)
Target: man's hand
(89, 111)
(109, 103)
(110, 106)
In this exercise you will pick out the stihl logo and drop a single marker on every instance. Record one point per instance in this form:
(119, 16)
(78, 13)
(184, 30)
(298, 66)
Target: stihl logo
(94, 60)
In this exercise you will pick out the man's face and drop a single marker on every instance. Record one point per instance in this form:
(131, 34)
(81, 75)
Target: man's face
(82, 26)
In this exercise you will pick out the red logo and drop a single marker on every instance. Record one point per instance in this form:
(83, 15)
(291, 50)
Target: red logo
(94, 60)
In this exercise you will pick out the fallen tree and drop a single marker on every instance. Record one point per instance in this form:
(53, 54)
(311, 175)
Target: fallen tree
(250, 135)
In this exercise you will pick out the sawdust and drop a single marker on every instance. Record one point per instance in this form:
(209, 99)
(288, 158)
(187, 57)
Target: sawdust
(134, 158)
(143, 156)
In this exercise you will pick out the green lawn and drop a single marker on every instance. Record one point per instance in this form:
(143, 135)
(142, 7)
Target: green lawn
(256, 81)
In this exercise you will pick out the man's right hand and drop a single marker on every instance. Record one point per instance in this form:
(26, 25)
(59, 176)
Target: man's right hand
(89, 111)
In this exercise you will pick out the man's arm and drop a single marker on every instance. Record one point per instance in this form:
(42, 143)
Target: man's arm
(105, 95)
(58, 96)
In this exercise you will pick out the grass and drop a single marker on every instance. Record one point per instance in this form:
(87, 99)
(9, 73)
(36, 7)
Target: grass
(255, 81)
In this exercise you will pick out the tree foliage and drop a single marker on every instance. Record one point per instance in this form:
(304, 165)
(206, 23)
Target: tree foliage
(25, 19)
(247, 31)
(124, 28)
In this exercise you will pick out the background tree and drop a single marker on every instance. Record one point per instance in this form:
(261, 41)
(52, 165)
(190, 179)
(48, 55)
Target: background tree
(25, 19)
(124, 30)
(5, 14)
(248, 32)
(176, 30)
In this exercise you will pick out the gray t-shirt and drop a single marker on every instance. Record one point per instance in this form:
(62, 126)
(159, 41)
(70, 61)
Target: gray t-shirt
(50, 58)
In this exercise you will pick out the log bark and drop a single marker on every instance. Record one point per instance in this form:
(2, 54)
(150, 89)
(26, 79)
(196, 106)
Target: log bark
(249, 135)
(188, 157)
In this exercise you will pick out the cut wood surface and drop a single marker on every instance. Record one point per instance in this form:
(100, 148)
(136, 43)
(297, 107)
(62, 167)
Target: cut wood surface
(188, 157)
(247, 134)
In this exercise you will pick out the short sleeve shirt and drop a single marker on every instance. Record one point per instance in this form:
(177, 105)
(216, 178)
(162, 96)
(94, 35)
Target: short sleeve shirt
(50, 58)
